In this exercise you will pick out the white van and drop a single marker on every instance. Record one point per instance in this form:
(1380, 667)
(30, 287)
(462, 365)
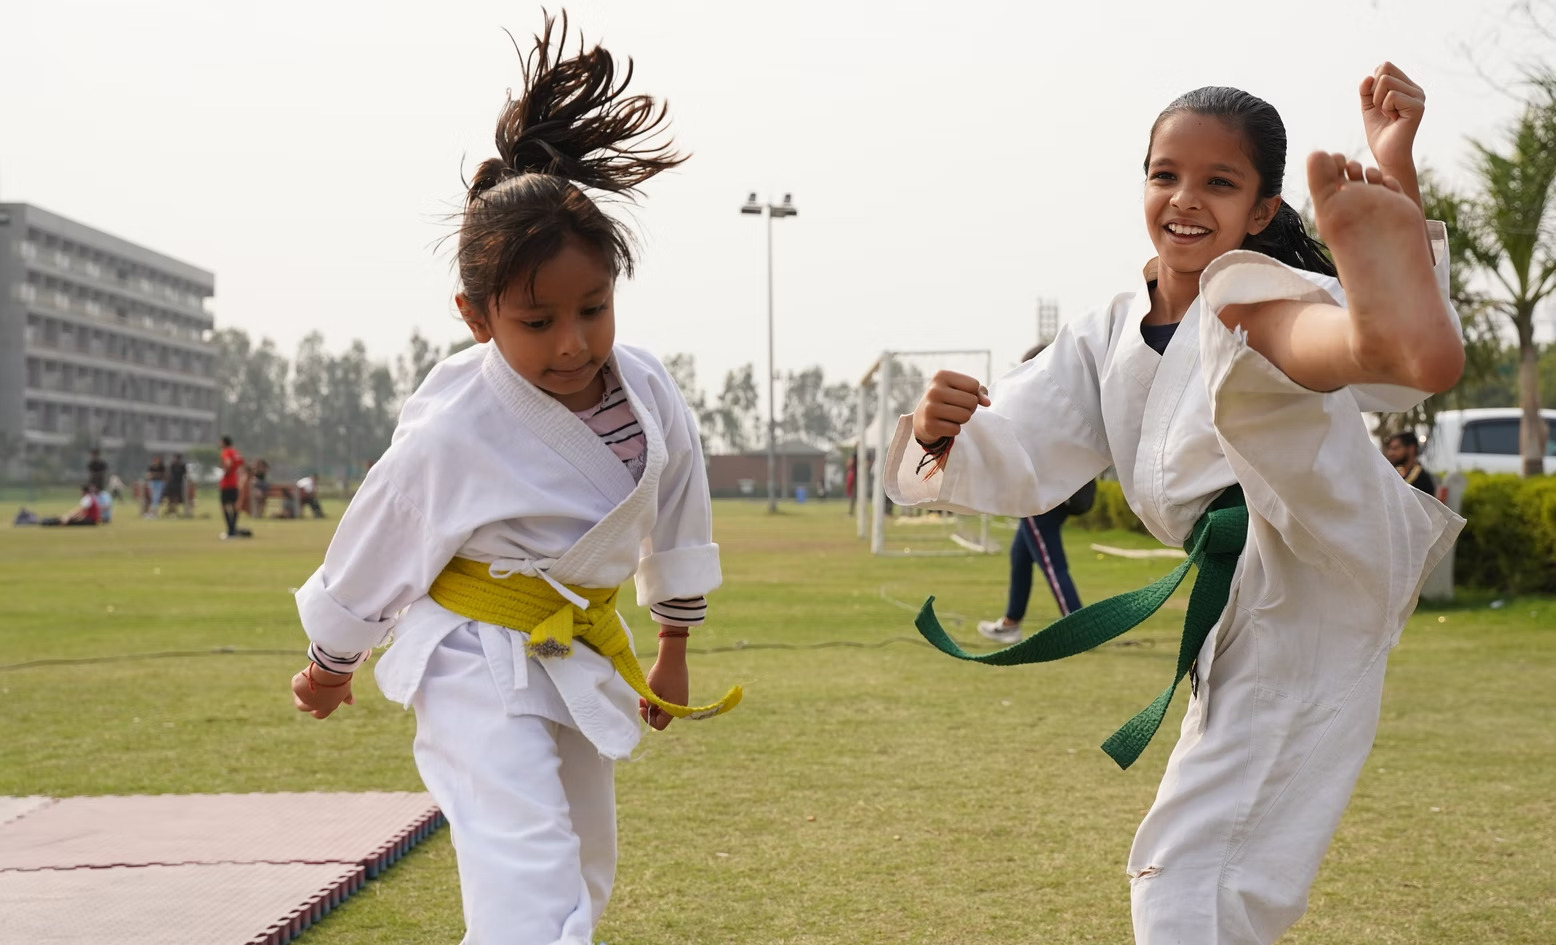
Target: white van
(1484, 439)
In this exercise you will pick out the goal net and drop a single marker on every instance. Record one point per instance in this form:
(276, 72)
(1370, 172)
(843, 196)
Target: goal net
(888, 390)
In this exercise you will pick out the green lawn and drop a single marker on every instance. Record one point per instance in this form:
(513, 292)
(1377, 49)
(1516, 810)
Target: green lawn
(861, 793)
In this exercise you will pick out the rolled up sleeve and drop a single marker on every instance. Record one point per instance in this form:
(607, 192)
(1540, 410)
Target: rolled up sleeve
(384, 556)
(679, 558)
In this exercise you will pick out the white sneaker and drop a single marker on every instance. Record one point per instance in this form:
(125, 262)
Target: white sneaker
(999, 631)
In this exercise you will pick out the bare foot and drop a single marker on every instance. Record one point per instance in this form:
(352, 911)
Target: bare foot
(1401, 332)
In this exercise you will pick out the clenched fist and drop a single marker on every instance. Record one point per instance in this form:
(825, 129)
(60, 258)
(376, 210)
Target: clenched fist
(946, 405)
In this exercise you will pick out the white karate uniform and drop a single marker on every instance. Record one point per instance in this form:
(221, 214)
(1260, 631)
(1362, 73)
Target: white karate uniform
(517, 751)
(1338, 547)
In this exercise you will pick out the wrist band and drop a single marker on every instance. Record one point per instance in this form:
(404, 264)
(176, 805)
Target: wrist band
(674, 633)
(314, 686)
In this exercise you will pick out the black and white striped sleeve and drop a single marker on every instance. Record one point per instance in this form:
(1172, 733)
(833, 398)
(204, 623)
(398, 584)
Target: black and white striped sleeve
(337, 662)
(681, 611)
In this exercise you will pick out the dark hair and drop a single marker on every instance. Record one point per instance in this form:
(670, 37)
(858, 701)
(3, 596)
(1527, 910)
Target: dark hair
(1264, 134)
(570, 128)
(226, 441)
(1033, 352)
(1405, 438)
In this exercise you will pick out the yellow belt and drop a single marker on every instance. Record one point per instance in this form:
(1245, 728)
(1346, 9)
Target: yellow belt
(520, 602)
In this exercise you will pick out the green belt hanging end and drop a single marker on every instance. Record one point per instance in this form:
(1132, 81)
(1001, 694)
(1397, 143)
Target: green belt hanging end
(1214, 546)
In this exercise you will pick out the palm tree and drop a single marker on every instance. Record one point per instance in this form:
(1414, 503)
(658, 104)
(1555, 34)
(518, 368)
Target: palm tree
(1511, 235)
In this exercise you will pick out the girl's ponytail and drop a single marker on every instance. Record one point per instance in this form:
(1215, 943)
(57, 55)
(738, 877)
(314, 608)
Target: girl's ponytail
(572, 129)
(1287, 240)
(573, 121)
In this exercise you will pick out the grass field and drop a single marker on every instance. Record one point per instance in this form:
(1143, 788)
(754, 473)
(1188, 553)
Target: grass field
(867, 790)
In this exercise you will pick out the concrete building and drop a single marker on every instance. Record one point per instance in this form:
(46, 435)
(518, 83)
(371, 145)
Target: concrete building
(101, 341)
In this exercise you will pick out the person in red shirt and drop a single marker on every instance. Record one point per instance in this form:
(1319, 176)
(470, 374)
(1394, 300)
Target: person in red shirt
(232, 462)
(87, 512)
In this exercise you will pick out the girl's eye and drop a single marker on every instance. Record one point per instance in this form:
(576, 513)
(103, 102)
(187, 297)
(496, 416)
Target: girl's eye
(1220, 182)
(1162, 175)
(594, 310)
(540, 325)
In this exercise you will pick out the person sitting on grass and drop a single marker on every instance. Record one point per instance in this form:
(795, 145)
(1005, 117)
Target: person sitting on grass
(86, 512)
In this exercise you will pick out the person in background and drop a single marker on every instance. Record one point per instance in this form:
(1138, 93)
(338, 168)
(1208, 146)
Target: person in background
(156, 479)
(97, 472)
(232, 465)
(1403, 449)
(1038, 542)
(259, 485)
(177, 484)
(851, 481)
(86, 511)
(308, 495)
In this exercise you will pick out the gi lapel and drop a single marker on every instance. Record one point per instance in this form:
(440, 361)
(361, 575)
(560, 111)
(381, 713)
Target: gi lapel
(558, 428)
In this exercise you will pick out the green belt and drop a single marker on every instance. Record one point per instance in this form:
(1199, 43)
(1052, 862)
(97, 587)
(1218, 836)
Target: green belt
(1214, 545)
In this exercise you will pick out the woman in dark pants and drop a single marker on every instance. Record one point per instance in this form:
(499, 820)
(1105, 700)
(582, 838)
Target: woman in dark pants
(1037, 543)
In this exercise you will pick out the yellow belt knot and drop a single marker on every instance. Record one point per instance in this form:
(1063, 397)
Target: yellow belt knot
(531, 604)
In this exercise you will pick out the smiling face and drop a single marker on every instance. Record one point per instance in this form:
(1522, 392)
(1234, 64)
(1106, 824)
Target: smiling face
(557, 330)
(1201, 191)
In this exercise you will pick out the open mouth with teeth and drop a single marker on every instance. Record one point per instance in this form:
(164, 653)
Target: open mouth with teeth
(1186, 232)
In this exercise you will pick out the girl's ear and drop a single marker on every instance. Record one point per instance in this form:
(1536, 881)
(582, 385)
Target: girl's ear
(474, 320)
(1263, 212)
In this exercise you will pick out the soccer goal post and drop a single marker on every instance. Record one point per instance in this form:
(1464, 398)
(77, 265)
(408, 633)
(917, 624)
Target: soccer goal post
(889, 389)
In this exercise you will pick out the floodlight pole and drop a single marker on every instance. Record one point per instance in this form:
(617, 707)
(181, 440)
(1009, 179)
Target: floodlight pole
(785, 209)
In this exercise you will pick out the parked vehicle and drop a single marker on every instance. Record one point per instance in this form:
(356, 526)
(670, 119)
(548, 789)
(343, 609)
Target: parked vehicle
(1484, 439)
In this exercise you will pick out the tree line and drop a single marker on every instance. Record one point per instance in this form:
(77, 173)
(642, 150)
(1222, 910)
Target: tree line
(334, 412)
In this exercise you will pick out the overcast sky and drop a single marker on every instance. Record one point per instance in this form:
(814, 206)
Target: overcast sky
(952, 163)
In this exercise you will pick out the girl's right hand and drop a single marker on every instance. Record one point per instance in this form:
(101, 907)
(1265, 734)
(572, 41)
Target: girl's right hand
(946, 405)
(320, 692)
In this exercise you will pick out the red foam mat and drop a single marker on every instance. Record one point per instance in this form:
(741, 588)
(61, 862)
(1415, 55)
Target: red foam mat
(211, 869)
(170, 829)
(12, 808)
(213, 904)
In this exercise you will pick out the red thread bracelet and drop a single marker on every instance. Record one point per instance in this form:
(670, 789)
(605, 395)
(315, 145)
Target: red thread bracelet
(674, 633)
(314, 686)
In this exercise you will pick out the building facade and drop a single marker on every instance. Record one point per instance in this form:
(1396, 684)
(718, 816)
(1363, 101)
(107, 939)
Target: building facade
(799, 466)
(102, 343)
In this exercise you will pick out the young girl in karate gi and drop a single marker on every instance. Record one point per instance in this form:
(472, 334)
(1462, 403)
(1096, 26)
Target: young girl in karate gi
(1238, 361)
(529, 476)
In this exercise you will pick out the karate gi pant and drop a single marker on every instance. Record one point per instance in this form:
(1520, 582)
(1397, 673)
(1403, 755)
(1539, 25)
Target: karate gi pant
(531, 803)
(1253, 793)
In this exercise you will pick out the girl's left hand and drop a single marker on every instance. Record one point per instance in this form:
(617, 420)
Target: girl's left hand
(671, 681)
(1392, 107)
